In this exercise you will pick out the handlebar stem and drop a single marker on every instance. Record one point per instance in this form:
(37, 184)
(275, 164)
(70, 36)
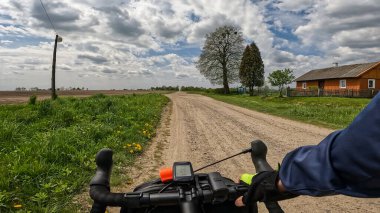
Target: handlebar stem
(190, 202)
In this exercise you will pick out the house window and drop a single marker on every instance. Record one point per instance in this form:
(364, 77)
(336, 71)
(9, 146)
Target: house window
(304, 85)
(371, 83)
(342, 84)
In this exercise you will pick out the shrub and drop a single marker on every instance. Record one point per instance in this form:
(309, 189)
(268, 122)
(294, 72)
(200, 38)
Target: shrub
(45, 108)
(100, 95)
(32, 100)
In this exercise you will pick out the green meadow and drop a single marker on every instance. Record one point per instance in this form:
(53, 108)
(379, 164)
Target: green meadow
(47, 149)
(331, 112)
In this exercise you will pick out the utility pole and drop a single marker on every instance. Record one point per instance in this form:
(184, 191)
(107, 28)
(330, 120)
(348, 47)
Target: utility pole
(53, 94)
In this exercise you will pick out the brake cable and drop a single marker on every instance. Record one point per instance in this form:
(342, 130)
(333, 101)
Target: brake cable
(240, 153)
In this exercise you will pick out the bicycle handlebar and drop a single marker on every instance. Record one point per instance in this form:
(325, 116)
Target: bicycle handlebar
(100, 188)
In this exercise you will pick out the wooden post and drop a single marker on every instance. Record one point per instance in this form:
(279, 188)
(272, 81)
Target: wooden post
(53, 94)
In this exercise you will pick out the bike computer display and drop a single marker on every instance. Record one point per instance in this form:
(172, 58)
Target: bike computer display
(183, 172)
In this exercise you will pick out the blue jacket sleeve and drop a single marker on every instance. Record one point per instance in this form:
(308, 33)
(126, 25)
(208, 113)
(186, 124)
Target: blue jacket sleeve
(345, 162)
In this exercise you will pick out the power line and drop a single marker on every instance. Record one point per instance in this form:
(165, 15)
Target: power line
(48, 17)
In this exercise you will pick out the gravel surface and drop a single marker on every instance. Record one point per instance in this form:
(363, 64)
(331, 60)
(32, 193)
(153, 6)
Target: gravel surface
(202, 130)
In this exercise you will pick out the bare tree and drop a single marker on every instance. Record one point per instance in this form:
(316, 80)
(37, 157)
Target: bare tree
(221, 55)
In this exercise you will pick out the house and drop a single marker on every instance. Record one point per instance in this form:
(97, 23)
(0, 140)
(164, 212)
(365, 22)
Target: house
(354, 77)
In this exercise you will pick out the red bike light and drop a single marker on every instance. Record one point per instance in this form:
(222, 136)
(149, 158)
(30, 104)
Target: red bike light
(166, 174)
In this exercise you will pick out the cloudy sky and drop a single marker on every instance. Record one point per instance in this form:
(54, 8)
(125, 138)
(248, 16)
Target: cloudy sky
(118, 44)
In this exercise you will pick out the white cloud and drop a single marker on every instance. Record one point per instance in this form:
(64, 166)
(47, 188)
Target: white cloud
(295, 5)
(358, 38)
(101, 40)
(134, 44)
(6, 42)
(345, 30)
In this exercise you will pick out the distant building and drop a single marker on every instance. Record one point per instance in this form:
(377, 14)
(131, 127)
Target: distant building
(348, 77)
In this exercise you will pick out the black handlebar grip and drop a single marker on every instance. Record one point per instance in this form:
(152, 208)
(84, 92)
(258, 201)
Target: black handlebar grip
(100, 183)
(259, 156)
(259, 159)
(104, 166)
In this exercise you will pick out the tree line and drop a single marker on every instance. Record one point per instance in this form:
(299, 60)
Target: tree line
(224, 60)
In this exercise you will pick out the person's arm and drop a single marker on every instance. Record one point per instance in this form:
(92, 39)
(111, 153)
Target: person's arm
(345, 162)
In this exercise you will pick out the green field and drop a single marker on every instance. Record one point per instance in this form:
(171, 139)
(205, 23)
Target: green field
(47, 150)
(329, 112)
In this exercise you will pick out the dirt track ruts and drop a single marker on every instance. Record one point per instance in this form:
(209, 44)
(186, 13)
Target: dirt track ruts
(202, 130)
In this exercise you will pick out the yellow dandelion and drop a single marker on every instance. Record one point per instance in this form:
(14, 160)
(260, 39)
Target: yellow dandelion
(138, 147)
(129, 145)
(131, 151)
(17, 206)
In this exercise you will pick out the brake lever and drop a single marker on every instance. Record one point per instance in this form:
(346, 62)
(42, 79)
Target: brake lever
(258, 154)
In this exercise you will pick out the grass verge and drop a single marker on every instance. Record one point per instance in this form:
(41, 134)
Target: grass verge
(47, 150)
(328, 112)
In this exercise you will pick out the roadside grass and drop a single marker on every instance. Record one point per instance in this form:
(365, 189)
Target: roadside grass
(331, 112)
(47, 149)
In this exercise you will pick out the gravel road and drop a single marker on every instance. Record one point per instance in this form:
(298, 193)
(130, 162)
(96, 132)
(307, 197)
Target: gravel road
(201, 130)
